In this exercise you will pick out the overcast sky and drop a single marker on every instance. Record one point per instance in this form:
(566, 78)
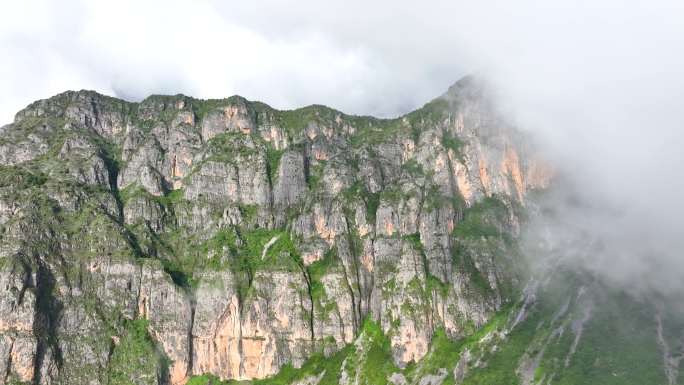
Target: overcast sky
(381, 58)
(599, 82)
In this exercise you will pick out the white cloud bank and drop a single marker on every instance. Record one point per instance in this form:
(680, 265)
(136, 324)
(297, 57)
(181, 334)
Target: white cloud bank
(287, 55)
(600, 82)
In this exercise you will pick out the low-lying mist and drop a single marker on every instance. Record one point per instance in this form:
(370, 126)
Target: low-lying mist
(600, 85)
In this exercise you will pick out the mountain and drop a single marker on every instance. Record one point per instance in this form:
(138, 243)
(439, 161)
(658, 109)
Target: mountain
(179, 240)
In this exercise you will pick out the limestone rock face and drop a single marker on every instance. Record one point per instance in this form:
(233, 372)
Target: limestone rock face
(23, 151)
(236, 116)
(214, 181)
(290, 186)
(237, 341)
(169, 311)
(149, 242)
(18, 343)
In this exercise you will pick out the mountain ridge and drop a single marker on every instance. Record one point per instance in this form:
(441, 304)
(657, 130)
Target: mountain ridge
(69, 93)
(183, 241)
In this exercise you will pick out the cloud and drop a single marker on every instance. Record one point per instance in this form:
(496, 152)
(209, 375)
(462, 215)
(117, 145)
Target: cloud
(599, 82)
(287, 55)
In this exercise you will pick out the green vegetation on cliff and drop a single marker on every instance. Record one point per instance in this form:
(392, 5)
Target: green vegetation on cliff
(224, 232)
(134, 358)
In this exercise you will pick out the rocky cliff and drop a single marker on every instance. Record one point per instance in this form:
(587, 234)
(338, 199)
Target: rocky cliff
(178, 239)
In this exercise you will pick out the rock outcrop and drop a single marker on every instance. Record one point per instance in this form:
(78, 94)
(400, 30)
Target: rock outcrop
(154, 241)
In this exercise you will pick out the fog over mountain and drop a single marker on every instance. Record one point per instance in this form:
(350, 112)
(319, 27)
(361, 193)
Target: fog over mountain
(599, 83)
(424, 193)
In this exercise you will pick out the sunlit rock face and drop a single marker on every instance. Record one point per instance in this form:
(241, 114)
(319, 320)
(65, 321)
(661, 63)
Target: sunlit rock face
(154, 241)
